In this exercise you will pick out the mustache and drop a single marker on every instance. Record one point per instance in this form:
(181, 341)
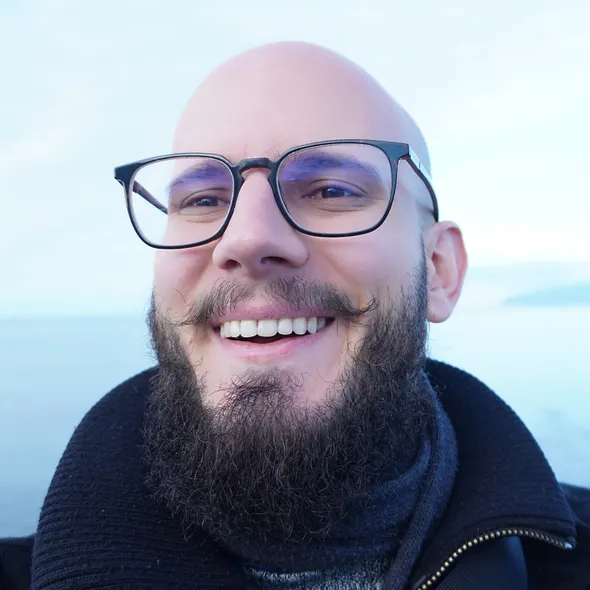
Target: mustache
(299, 293)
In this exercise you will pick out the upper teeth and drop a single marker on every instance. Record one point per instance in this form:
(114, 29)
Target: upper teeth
(268, 328)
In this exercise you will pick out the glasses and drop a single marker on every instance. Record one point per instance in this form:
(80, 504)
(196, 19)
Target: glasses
(328, 189)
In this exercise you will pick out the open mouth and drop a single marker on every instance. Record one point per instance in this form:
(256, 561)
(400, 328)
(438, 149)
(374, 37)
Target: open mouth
(271, 330)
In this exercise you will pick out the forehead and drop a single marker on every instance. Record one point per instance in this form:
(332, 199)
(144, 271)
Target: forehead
(245, 114)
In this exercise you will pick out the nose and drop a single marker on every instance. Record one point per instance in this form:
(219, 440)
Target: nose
(259, 242)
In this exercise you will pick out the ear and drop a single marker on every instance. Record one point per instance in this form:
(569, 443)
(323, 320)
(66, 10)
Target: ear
(446, 261)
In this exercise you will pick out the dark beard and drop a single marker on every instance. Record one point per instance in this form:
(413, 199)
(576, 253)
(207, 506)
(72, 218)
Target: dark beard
(259, 467)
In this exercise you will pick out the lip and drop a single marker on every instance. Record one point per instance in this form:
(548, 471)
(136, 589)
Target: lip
(268, 312)
(271, 351)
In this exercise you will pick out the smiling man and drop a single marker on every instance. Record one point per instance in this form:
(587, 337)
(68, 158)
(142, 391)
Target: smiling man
(294, 433)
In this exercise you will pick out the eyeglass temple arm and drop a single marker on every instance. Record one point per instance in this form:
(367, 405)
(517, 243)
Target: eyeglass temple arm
(142, 192)
(421, 171)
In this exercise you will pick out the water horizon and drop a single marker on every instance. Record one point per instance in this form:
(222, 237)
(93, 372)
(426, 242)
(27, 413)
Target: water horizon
(54, 369)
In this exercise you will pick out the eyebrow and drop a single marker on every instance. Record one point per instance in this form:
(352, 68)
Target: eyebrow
(312, 162)
(205, 171)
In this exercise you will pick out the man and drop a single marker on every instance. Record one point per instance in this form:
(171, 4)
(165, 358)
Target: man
(294, 433)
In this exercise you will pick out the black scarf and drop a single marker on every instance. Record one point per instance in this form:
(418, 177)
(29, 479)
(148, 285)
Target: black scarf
(100, 527)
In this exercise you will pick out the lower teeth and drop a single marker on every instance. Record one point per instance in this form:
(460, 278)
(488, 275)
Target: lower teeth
(263, 339)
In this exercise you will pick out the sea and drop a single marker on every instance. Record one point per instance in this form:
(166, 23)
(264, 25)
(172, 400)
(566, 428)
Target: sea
(53, 370)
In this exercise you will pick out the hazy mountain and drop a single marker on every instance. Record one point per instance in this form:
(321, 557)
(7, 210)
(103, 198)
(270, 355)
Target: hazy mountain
(538, 283)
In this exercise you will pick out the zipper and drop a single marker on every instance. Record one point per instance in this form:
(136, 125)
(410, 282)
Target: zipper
(431, 581)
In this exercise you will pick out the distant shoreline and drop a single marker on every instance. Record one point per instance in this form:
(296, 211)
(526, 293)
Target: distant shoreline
(567, 295)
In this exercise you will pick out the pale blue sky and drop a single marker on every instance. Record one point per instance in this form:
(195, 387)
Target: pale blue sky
(501, 90)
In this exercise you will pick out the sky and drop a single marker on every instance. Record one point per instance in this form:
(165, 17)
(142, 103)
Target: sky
(500, 90)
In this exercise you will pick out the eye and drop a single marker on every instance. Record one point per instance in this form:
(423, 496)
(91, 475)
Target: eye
(331, 192)
(200, 204)
(328, 190)
(203, 202)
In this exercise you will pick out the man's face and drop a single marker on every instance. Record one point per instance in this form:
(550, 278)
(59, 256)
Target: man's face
(262, 268)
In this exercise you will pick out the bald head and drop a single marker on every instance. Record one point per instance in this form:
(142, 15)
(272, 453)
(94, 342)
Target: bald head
(273, 97)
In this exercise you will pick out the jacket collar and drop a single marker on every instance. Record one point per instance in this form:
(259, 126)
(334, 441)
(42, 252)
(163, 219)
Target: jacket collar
(503, 479)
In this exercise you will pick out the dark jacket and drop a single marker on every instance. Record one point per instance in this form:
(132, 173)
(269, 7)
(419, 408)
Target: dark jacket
(504, 488)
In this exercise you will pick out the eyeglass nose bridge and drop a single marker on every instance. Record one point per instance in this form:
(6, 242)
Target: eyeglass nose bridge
(249, 163)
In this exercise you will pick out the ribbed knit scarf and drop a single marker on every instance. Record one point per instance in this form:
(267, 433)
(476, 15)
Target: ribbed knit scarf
(101, 528)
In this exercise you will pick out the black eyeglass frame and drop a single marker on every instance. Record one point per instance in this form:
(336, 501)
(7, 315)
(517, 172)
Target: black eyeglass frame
(394, 151)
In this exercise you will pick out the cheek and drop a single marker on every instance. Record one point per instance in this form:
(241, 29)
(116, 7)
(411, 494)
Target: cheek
(377, 263)
(176, 275)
